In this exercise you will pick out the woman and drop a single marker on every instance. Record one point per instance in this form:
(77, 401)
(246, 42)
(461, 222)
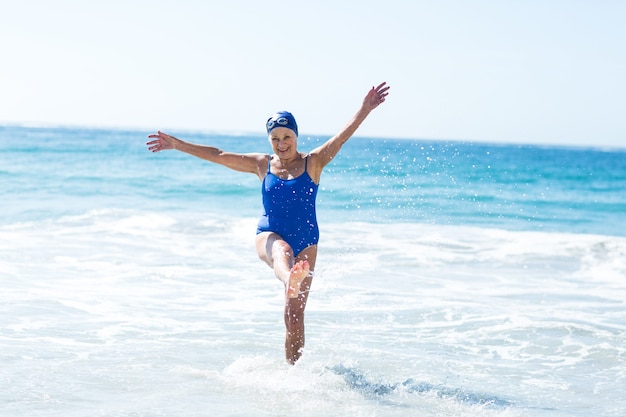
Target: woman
(287, 233)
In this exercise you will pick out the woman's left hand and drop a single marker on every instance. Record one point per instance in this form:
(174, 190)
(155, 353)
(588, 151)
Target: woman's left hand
(376, 96)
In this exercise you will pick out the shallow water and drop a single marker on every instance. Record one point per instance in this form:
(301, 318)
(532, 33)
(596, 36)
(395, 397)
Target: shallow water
(132, 291)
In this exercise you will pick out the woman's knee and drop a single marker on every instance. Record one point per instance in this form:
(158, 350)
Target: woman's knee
(270, 245)
(279, 248)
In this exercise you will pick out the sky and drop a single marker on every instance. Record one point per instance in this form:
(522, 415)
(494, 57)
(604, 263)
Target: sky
(525, 71)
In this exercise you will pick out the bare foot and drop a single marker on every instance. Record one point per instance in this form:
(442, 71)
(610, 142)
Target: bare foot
(297, 274)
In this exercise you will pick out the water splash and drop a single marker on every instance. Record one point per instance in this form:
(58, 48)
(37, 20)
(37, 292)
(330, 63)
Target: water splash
(358, 380)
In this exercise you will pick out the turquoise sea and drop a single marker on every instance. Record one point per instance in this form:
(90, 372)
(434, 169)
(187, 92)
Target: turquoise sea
(453, 279)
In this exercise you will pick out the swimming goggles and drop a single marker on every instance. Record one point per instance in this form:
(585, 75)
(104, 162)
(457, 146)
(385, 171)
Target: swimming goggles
(283, 121)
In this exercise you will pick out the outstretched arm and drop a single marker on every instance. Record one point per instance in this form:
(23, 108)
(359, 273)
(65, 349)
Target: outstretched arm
(326, 152)
(239, 162)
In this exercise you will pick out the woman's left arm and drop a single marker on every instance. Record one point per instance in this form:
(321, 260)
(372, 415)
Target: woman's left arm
(325, 153)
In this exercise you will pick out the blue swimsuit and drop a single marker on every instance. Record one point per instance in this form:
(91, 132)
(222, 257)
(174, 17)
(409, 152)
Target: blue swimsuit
(289, 209)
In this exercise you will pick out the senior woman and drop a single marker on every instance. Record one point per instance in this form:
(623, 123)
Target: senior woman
(287, 233)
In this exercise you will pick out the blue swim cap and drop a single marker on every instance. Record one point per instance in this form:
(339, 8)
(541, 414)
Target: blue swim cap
(282, 119)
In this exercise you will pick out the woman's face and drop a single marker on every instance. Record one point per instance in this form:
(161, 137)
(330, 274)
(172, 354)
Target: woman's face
(284, 142)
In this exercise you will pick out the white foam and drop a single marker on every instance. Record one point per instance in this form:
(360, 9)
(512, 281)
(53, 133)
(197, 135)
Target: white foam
(138, 295)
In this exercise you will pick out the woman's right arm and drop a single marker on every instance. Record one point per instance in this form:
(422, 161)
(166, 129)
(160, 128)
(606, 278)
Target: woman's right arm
(252, 162)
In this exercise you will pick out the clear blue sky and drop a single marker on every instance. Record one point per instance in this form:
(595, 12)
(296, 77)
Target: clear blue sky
(526, 71)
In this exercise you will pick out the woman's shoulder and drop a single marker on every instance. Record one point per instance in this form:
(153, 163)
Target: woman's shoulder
(314, 166)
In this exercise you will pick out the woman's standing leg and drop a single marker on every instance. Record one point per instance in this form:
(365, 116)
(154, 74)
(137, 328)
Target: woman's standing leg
(294, 309)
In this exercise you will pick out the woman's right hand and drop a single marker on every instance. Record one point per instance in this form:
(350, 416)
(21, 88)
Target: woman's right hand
(161, 142)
